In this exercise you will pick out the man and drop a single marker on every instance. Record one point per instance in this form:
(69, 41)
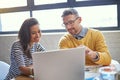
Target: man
(93, 40)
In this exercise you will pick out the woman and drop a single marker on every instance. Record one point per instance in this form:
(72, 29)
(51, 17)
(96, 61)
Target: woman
(21, 59)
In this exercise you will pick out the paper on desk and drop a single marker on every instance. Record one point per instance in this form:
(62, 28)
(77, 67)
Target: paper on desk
(93, 69)
(117, 66)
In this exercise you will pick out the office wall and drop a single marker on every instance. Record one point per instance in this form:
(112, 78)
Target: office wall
(50, 41)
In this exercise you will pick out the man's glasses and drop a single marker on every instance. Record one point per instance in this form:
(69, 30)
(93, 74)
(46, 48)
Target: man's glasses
(71, 22)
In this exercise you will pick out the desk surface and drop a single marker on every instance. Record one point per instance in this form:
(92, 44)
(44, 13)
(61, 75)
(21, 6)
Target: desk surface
(92, 72)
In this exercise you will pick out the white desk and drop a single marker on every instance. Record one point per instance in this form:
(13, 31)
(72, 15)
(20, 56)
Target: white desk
(92, 72)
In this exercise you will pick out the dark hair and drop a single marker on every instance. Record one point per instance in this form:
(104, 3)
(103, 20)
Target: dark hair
(70, 11)
(24, 35)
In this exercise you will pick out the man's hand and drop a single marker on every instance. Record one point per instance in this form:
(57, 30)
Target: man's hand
(92, 54)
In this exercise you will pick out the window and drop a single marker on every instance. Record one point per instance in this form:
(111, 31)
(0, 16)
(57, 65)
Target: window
(95, 16)
(49, 19)
(83, 0)
(13, 21)
(99, 16)
(39, 2)
(12, 3)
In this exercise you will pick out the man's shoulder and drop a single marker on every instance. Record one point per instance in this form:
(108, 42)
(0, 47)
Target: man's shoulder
(94, 31)
(67, 35)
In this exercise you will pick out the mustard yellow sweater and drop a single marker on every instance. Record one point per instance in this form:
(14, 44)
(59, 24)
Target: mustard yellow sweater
(94, 39)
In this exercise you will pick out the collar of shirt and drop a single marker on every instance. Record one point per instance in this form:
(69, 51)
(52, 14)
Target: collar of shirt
(81, 34)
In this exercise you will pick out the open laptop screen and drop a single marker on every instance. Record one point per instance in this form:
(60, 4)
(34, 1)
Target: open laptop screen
(63, 64)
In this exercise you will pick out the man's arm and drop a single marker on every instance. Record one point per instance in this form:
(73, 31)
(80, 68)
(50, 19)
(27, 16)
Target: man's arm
(102, 50)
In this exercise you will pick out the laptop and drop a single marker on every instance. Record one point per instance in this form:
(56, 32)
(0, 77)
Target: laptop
(63, 64)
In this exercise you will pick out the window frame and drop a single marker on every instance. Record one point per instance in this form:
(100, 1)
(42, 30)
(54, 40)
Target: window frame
(69, 4)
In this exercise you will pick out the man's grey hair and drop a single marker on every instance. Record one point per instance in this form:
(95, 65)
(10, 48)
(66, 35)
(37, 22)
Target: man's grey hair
(70, 11)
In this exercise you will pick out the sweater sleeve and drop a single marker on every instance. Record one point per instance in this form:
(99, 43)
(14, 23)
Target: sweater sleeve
(101, 48)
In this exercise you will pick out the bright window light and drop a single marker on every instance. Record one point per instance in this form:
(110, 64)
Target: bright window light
(99, 16)
(96, 16)
(83, 0)
(13, 21)
(49, 19)
(12, 3)
(39, 2)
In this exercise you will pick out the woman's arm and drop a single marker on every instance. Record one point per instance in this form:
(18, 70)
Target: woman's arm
(27, 70)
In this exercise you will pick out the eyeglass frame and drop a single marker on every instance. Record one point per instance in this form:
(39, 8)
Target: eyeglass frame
(71, 22)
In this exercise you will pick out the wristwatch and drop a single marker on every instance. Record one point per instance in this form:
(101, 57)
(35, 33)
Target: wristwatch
(97, 57)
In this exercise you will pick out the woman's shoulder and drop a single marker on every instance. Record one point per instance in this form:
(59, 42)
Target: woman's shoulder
(16, 44)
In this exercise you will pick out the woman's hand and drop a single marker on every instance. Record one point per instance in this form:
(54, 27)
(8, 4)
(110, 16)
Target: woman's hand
(26, 70)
